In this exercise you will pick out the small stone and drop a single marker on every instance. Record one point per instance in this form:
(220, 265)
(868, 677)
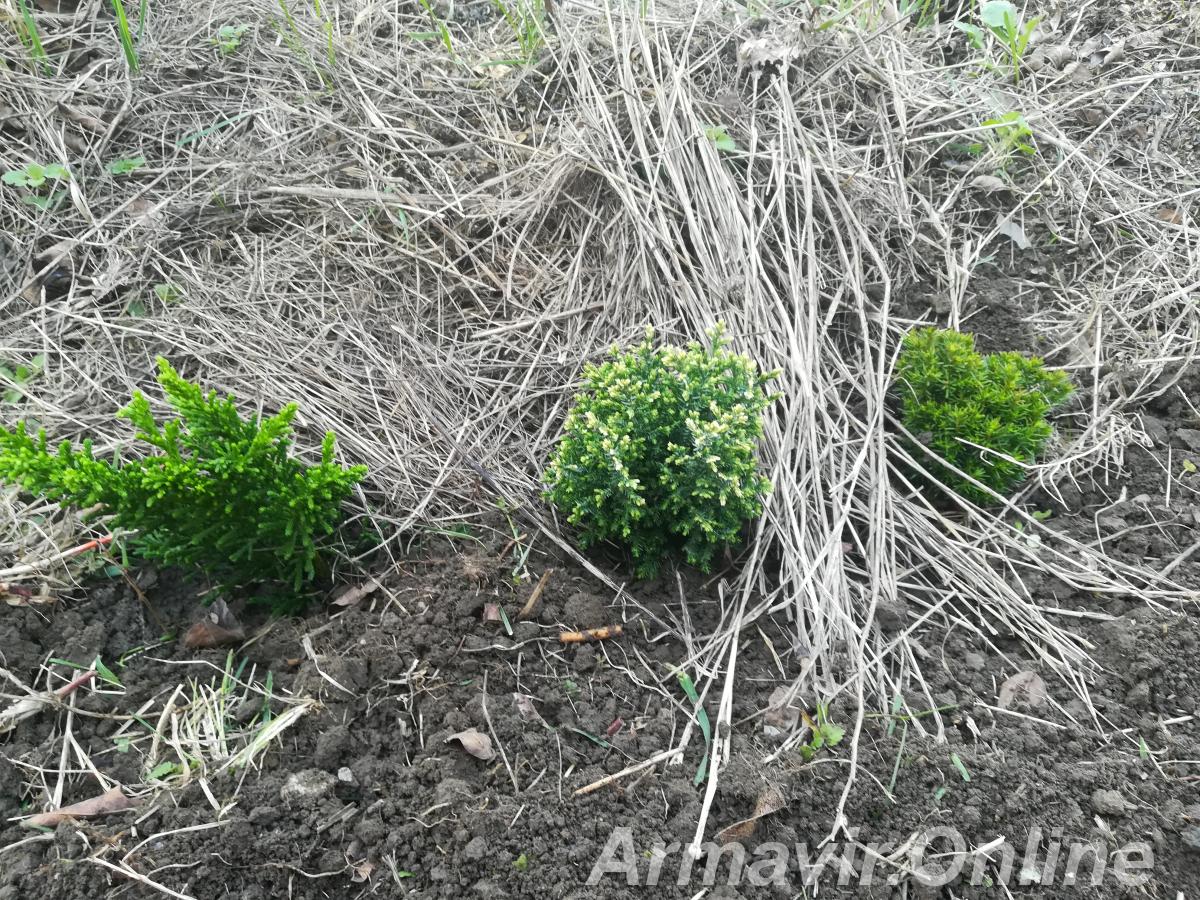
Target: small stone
(477, 848)
(1188, 438)
(1109, 803)
(263, 816)
(585, 658)
(307, 787)
(345, 776)
(1139, 695)
(1191, 838)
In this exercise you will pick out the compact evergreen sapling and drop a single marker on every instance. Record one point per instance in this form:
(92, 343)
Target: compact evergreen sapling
(659, 451)
(955, 401)
(220, 492)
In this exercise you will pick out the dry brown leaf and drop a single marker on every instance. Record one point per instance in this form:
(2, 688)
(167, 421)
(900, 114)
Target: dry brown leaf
(491, 612)
(88, 118)
(1170, 215)
(770, 800)
(781, 716)
(352, 596)
(1023, 689)
(525, 708)
(1015, 232)
(112, 801)
(477, 744)
(218, 628)
(361, 871)
(989, 183)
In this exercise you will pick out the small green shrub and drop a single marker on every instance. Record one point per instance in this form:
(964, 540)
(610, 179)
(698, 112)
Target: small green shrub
(956, 400)
(221, 492)
(658, 452)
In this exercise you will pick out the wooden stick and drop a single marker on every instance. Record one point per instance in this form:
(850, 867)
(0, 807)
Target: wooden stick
(527, 610)
(30, 568)
(628, 770)
(591, 634)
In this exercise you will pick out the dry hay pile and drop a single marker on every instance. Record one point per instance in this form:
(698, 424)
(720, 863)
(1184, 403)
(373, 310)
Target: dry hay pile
(423, 247)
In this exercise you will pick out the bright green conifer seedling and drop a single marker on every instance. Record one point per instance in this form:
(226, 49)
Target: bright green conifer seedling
(221, 492)
(956, 401)
(659, 451)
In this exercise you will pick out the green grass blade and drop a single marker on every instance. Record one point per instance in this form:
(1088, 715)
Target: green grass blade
(32, 38)
(125, 35)
(702, 720)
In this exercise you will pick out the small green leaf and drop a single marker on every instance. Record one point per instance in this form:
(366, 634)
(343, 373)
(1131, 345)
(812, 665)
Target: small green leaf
(996, 14)
(136, 309)
(689, 689)
(106, 673)
(1189, 467)
(16, 177)
(958, 764)
(125, 166)
(162, 770)
(832, 733)
(721, 139)
(166, 292)
(521, 863)
(973, 32)
(58, 171)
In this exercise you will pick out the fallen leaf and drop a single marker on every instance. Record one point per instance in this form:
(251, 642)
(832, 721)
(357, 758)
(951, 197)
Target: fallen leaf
(1024, 689)
(989, 183)
(361, 871)
(218, 628)
(1109, 56)
(770, 800)
(1170, 215)
(89, 118)
(491, 612)
(1014, 232)
(782, 716)
(112, 801)
(525, 708)
(617, 724)
(478, 745)
(204, 635)
(352, 596)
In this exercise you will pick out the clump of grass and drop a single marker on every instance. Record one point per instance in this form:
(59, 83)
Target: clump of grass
(1001, 20)
(526, 20)
(221, 492)
(659, 451)
(40, 182)
(984, 415)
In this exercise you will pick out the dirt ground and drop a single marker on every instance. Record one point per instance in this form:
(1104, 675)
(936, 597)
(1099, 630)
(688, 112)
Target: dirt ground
(364, 796)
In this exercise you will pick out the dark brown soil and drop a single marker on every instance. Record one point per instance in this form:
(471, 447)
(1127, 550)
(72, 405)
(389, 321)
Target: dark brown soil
(396, 807)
